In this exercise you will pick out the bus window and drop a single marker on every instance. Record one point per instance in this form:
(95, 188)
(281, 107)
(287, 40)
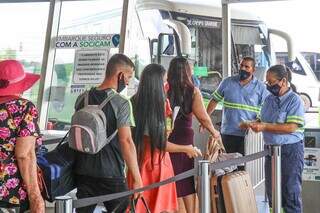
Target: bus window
(152, 25)
(206, 47)
(313, 59)
(206, 50)
(296, 67)
(248, 42)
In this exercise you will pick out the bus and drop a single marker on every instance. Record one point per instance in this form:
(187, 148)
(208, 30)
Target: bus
(196, 32)
(157, 31)
(309, 72)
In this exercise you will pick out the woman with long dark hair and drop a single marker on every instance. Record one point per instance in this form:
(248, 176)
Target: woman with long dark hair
(183, 95)
(151, 141)
(282, 123)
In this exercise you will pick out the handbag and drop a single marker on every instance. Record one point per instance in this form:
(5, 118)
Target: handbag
(56, 167)
(133, 204)
(216, 152)
(215, 148)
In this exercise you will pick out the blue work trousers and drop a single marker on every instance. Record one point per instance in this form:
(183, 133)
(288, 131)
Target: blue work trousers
(292, 158)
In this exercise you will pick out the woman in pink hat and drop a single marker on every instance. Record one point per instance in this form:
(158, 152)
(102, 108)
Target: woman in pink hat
(19, 137)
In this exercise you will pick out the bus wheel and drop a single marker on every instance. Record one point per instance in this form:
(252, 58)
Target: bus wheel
(306, 101)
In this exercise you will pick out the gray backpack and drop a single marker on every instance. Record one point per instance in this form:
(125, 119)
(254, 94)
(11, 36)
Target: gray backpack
(88, 132)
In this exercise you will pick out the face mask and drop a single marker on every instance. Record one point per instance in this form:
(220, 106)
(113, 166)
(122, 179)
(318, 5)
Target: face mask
(275, 89)
(121, 83)
(244, 75)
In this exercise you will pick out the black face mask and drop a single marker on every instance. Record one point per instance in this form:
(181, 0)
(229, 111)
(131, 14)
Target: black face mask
(244, 75)
(275, 89)
(121, 83)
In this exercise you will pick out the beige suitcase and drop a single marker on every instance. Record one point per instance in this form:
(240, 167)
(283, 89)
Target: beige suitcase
(217, 202)
(238, 193)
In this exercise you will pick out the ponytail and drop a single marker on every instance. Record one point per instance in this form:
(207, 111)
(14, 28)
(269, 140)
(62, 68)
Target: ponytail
(289, 74)
(282, 71)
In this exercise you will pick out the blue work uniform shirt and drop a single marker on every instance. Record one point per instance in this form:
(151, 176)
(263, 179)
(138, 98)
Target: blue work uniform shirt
(287, 108)
(240, 103)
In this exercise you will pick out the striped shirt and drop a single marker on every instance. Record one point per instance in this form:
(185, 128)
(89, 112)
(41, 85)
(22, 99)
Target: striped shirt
(284, 109)
(240, 103)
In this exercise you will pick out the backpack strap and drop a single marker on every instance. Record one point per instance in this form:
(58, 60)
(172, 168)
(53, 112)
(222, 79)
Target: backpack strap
(83, 97)
(112, 136)
(107, 100)
(86, 98)
(101, 106)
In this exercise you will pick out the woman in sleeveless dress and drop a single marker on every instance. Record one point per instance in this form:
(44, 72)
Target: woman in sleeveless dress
(151, 142)
(183, 95)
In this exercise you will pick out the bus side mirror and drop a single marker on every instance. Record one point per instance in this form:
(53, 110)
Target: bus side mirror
(154, 50)
(167, 49)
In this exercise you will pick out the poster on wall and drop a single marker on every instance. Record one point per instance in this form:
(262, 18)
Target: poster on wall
(311, 171)
(90, 66)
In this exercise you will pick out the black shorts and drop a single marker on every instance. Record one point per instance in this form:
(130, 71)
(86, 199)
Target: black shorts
(91, 187)
(233, 143)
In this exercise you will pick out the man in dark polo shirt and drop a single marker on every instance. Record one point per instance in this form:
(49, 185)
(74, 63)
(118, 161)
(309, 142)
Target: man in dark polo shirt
(104, 172)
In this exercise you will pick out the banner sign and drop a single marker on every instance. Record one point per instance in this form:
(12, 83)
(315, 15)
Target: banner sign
(93, 41)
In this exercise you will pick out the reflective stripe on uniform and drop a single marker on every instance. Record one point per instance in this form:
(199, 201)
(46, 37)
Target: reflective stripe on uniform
(295, 119)
(241, 107)
(300, 130)
(217, 96)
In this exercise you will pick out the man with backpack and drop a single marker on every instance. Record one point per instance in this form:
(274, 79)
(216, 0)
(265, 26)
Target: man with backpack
(102, 171)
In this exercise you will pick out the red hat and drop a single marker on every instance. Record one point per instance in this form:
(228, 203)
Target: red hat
(13, 78)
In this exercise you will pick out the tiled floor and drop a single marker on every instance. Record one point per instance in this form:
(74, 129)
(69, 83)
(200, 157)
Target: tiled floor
(262, 204)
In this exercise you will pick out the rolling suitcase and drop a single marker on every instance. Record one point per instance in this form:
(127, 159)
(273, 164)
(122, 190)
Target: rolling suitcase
(238, 193)
(217, 201)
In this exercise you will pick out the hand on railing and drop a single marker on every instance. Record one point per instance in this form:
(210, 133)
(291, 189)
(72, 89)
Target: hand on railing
(257, 126)
(244, 125)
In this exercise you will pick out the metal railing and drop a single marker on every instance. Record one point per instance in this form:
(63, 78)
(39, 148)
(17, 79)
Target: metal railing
(254, 143)
(65, 204)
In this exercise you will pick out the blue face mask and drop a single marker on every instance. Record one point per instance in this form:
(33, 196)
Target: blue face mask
(244, 75)
(274, 89)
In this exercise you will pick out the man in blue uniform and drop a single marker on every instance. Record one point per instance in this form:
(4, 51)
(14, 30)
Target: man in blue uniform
(242, 96)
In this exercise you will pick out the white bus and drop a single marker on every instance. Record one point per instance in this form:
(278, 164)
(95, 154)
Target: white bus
(157, 31)
(195, 31)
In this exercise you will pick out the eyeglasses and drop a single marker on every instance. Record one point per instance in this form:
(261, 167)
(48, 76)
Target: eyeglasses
(273, 83)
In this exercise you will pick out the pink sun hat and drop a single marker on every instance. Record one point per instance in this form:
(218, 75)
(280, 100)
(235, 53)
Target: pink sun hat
(13, 79)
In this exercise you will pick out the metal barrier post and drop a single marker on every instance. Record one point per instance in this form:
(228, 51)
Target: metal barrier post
(276, 179)
(63, 204)
(204, 174)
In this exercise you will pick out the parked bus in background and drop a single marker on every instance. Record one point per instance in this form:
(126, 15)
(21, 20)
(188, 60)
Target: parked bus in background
(157, 31)
(197, 34)
(313, 59)
(305, 70)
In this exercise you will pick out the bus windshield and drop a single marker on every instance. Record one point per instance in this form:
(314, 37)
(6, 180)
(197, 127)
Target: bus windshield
(206, 46)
